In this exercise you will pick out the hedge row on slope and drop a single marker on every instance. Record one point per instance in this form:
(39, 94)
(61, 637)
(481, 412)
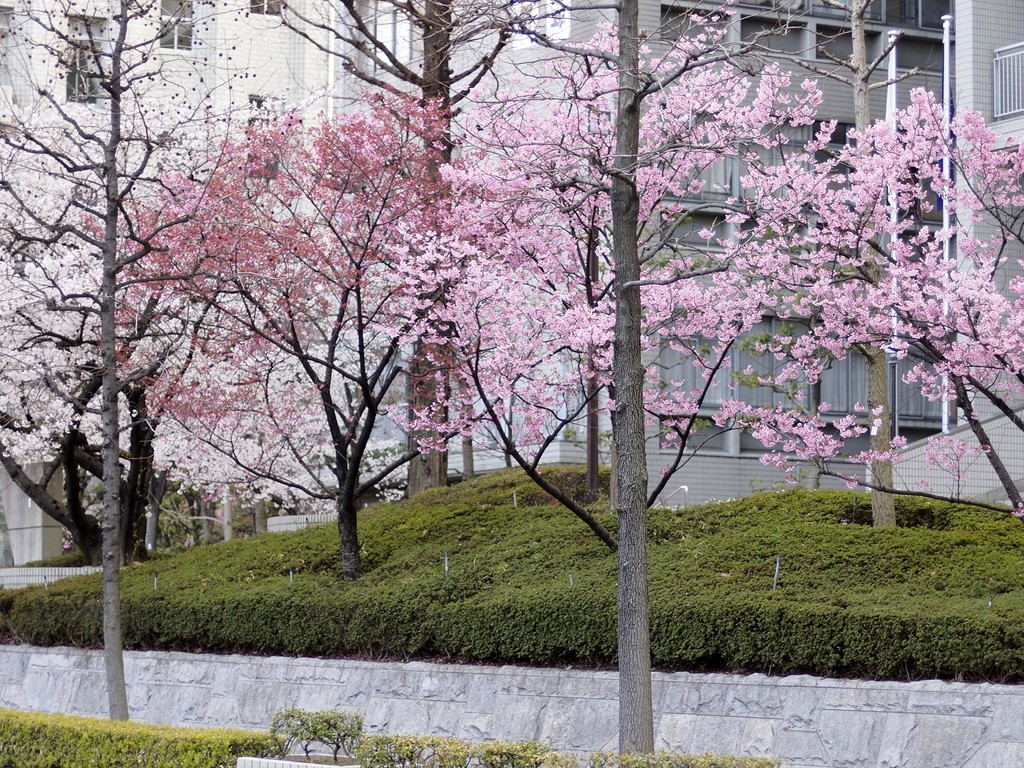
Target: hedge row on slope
(550, 627)
(33, 740)
(529, 584)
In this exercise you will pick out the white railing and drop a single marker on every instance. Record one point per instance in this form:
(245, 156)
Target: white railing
(13, 578)
(1008, 80)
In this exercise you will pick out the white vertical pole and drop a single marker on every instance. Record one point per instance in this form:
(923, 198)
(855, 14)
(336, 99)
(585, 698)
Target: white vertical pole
(890, 118)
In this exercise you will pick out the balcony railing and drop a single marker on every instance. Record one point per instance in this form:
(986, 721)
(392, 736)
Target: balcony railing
(1008, 81)
(924, 14)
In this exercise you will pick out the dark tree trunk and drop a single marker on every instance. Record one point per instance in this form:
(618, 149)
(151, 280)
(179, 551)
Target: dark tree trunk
(113, 547)
(348, 532)
(636, 720)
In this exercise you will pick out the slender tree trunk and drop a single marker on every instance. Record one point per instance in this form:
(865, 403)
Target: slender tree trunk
(883, 508)
(814, 481)
(613, 479)
(430, 470)
(113, 640)
(636, 719)
(963, 399)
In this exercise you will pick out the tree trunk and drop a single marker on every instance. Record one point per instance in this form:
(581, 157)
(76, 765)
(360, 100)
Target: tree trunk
(113, 651)
(636, 719)
(883, 510)
(883, 507)
(198, 511)
(593, 457)
(963, 399)
(468, 465)
(348, 537)
(428, 470)
(259, 516)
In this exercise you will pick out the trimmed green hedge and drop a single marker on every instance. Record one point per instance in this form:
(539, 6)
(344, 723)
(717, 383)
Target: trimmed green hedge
(30, 740)
(528, 583)
(383, 751)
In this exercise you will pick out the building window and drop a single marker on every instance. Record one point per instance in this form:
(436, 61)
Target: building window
(915, 53)
(677, 22)
(394, 31)
(773, 36)
(823, 8)
(84, 62)
(266, 7)
(176, 24)
(778, 5)
(926, 14)
(6, 24)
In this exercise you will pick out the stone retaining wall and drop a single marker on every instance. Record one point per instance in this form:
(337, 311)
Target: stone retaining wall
(808, 722)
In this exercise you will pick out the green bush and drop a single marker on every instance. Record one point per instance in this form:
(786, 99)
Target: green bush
(532, 585)
(30, 740)
(673, 760)
(381, 751)
(341, 731)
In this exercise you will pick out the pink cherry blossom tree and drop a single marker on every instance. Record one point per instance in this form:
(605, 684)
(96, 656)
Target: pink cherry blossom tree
(312, 245)
(583, 180)
(863, 256)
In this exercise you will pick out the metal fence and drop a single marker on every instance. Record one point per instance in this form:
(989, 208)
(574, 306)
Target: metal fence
(1008, 80)
(13, 578)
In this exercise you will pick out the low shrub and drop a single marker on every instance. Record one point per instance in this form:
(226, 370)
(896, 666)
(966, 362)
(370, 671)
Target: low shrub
(673, 760)
(31, 740)
(382, 751)
(337, 729)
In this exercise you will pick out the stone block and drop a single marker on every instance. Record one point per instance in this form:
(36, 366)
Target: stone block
(950, 702)
(476, 726)
(444, 686)
(755, 701)
(803, 748)
(675, 732)
(694, 697)
(551, 719)
(911, 740)
(1007, 724)
(591, 724)
(997, 755)
(851, 738)
(758, 737)
(598, 685)
(878, 698)
(518, 716)
(802, 708)
(483, 691)
(721, 735)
